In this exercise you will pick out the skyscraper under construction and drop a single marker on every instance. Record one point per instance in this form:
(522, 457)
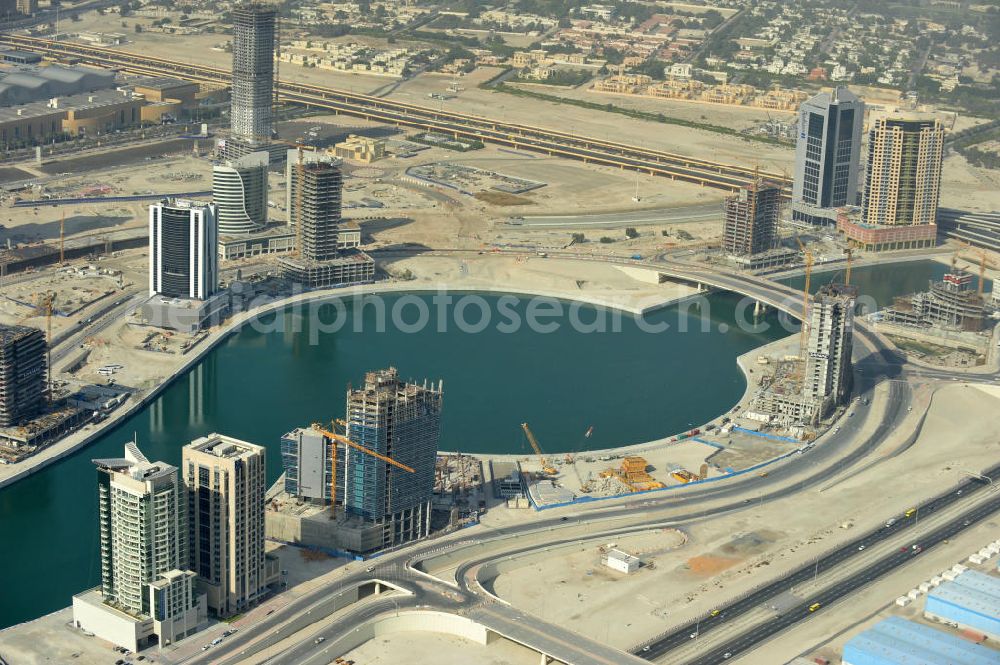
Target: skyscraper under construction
(751, 219)
(254, 40)
(401, 421)
(315, 188)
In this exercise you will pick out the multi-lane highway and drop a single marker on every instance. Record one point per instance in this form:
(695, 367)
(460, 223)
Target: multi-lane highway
(873, 571)
(512, 135)
(679, 636)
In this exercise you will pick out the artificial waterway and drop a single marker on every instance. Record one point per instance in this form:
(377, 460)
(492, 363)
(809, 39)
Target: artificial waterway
(631, 386)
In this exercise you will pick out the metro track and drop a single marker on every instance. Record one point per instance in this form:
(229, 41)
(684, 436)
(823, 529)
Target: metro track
(536, 139)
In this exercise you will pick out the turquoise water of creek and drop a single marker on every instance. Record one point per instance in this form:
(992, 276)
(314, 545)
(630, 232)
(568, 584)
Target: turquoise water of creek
(631, 386)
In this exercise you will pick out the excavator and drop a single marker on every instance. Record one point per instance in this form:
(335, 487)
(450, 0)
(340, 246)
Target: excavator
(336, 439)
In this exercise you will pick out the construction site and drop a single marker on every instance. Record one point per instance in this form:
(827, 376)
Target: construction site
(728, 445)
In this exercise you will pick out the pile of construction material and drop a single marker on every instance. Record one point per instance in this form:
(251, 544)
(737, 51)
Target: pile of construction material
(633, 474)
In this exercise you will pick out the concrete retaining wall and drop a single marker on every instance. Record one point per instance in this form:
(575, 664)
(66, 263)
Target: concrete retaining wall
(413, 621)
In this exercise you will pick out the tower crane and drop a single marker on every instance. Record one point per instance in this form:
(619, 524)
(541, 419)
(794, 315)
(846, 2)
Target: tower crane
(336, 439)
(45, 302)
(546, 468)
(804, 334)
(847, 274)
(982, 265)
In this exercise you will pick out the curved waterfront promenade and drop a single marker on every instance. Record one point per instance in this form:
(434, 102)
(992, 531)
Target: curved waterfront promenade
(80, 439)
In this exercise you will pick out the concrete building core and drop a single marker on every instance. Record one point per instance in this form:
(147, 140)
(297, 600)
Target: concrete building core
(22, 374)
(751, 219)
(225, 482)
(254, 39)
(306, 456)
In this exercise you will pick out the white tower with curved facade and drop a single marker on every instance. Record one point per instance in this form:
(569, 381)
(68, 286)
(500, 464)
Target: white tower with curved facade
(239, 189)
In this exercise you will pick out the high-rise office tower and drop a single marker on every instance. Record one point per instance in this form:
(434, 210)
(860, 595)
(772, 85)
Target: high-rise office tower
(831, 332)
(314, 187)
(183, 249)
(22, 374)
(226, 483)
(903, 178)
(145, 589)
(254, 37)
(401, 421)
(827, 154)
(751, 219)
(239, 191)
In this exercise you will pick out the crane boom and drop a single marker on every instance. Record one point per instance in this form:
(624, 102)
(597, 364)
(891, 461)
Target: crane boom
(538, 449)
(334, 440)
(804, 334)
(357, 446)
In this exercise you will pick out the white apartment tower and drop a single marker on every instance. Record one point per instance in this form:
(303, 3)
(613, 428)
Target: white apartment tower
(226, 483)
(146, 595)
(183, 249)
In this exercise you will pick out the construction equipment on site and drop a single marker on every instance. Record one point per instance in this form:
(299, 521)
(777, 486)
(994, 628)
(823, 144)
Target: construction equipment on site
(632, 473)
(983, 262)
(62, 240)
(682, 475)
(847, 273)
(804, 334)
(45, 302)
(299, 178)
(547, 469)
(703, 472)
(334, 440)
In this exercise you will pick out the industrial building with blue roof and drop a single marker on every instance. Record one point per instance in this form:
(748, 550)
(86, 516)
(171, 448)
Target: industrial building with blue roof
(897, 641)
(971, 601)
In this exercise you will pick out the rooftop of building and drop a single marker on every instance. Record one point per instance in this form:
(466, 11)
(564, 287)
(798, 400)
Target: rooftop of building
(10, 334)
(622, 556)
(161, 83)
(904, 642)
(81, 102)
(839, 95)
(135, 465)
(972, 590)
(182, 204)
(95, 598)
(225, 447)
(840, 291)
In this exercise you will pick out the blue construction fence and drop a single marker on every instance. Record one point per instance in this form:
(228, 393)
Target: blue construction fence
(730, 474)
(773, 437)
